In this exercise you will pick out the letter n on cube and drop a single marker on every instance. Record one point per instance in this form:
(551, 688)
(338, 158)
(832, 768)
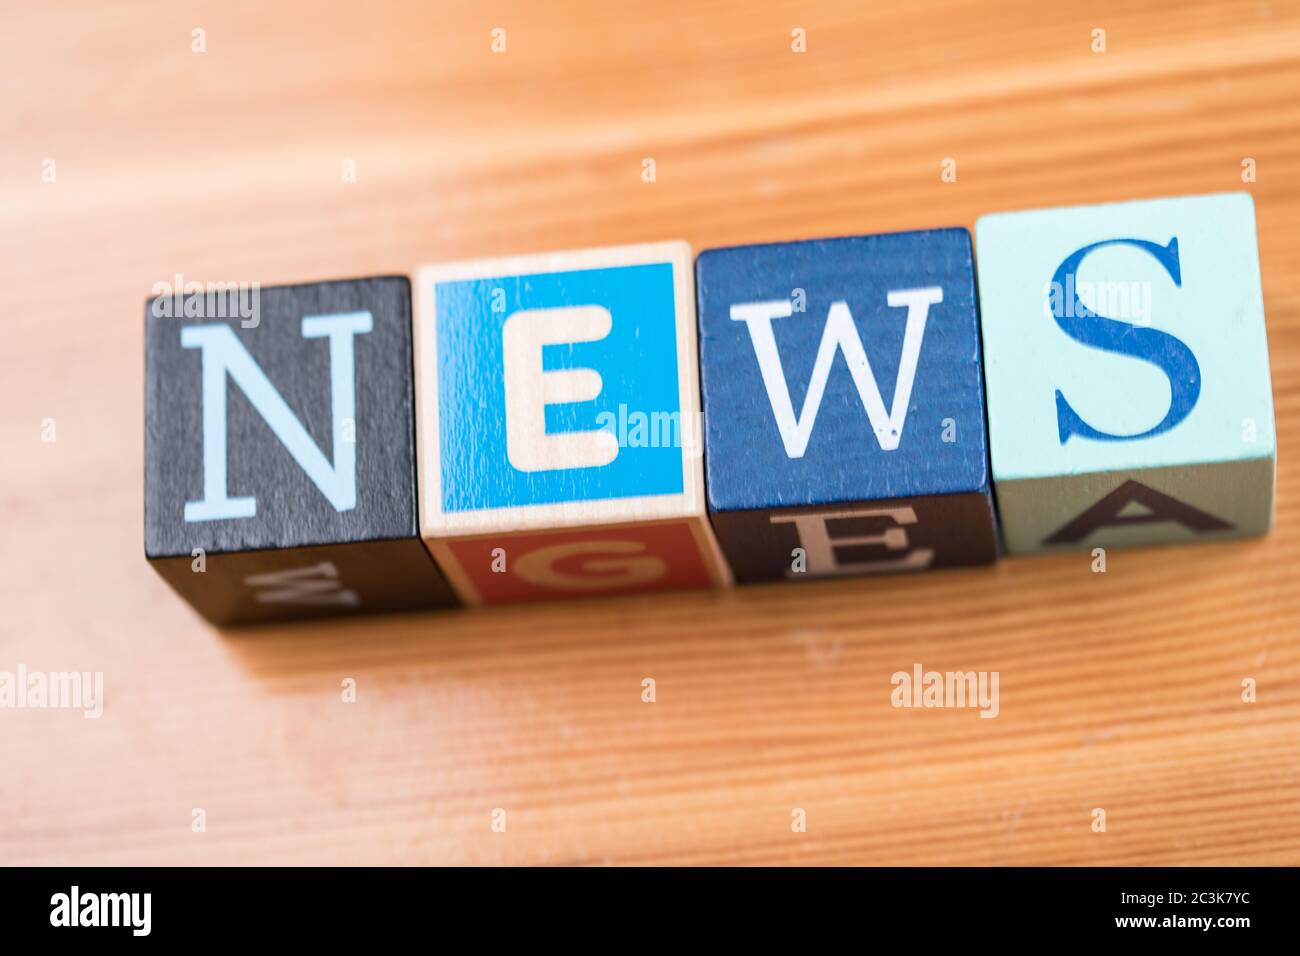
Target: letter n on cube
(558, 423)
(280, 467)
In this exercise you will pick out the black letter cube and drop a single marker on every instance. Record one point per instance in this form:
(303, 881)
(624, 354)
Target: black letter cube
(280, 476)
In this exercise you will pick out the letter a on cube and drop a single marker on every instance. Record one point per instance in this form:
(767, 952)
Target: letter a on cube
(1128, 379)
(844, 406)
(558, 425)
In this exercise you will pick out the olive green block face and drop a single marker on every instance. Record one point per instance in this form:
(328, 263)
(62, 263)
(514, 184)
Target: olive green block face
(1147, 506)
(1126, 361)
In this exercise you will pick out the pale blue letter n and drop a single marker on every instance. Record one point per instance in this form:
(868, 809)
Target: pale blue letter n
(223, 354)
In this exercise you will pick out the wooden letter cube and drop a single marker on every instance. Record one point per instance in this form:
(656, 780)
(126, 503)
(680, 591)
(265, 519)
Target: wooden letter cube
(1129, 394)
(843, 406)
(280, 451)
(557, 398)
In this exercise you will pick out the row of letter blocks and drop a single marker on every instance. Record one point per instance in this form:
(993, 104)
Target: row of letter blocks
(627, 419)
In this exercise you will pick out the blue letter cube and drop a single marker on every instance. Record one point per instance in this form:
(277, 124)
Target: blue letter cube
(844, 405)
(1129, 396)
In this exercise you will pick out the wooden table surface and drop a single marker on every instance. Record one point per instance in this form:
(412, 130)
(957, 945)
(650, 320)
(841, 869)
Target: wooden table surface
(1120, 691)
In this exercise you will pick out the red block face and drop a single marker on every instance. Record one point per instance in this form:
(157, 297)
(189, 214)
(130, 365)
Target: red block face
(583, 562)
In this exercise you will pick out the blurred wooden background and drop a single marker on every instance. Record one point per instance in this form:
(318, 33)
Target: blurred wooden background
(1120, 691)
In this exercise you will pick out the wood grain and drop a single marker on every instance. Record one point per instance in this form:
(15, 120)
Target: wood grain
(1120, 691)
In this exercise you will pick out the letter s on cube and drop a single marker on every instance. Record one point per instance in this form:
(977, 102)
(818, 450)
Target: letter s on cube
(557, 418)
(1129, 398)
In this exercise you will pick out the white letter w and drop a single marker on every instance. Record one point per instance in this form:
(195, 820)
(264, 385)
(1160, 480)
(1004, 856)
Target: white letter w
(841, 334)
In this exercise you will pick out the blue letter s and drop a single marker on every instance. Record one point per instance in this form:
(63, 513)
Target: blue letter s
(1169, 353)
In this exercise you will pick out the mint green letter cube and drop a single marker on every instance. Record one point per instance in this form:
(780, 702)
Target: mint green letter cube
(1126, 368)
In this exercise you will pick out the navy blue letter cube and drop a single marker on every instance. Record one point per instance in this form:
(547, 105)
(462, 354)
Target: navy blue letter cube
(844, 405)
